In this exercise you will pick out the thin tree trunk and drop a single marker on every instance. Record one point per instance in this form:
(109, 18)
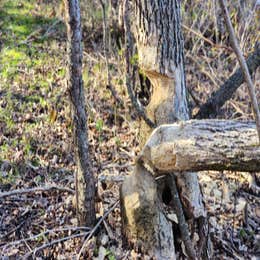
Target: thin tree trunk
(84, 178)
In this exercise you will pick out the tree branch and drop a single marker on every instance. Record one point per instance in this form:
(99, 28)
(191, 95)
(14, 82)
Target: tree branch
(95, 228)
(212, 106)
(243, 65)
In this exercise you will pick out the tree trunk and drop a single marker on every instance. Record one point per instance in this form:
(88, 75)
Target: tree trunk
(144, 224)
(84, 178)
(209, 145)
(160, 51)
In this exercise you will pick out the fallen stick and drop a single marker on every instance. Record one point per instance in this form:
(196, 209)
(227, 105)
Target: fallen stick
(49, 231)
(36, 189)
(95, 228)
(52, 243)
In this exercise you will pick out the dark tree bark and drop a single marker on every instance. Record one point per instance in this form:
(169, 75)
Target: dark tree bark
(211, 108)
(84, 178)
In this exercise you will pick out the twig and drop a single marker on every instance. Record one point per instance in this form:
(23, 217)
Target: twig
(243, 65)
(47, 33)
(106, 51)
(14, 229)
(33, 36)
(202, 69)
(205, 39)
(36, 189)
(115, 95)
(53, 243)
(183, 226)
(128, 44)
(105, 42)
(17, 242)
(95, 228)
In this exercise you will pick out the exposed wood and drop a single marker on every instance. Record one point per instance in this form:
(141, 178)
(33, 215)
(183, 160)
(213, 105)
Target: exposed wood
(243, 65)
(160, 50)
(212, 106)
(144, 224)
(203, 145)
(84, 178)
(160, 56)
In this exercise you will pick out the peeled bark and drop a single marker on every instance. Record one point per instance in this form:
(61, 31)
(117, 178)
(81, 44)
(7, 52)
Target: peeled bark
(84, 178)
(203, 145)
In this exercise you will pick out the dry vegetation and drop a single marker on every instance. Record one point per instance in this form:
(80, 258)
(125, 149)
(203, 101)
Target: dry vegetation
(35, 128)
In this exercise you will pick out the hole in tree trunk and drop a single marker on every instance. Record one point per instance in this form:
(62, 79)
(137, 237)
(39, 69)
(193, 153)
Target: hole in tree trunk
(166, 195)
(103, 185)
(144, 93)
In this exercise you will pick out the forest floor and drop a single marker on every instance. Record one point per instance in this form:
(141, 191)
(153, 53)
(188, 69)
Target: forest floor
(36, 155)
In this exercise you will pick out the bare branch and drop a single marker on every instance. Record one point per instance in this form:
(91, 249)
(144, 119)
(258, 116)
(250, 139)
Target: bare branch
(95, 228)
(205, 39)
(184, 229)
(37, 249)
(36, 189)
(243, 65)
(225, 92)
(44, 233)
(105, 40)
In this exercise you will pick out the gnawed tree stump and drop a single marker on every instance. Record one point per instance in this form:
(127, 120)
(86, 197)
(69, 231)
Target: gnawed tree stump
(203, 145)
(186, 146)
(160, 48)
(144, 223)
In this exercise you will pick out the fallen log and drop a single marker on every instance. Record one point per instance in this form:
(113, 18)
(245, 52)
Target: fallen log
(198, 145)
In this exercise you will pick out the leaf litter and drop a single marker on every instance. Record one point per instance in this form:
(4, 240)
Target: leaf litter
(36, 149)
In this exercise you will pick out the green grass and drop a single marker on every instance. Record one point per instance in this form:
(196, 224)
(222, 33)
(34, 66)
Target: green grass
(31, 73)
